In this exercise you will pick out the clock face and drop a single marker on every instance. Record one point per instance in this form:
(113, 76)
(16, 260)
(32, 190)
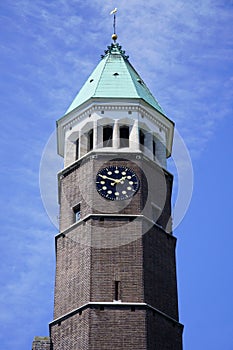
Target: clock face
(117, 183)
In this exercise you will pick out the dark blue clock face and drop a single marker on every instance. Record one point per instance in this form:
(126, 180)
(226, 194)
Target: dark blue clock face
(117, 183)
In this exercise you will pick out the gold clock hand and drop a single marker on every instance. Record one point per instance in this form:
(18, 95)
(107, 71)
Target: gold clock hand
(116, 181)
(120, 180)
(106, 177)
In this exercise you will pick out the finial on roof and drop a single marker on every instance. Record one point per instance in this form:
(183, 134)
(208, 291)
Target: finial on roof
(114, 36)
(115, 49)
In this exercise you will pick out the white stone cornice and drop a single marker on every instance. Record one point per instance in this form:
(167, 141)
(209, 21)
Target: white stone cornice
(144, 111)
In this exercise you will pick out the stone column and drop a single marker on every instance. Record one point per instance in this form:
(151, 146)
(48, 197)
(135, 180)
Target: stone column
(95, 135)
(134, 137)
(161, 153)
(148, 145)
(100, 136)
(116, 135)
(83, 143)
(70, 152)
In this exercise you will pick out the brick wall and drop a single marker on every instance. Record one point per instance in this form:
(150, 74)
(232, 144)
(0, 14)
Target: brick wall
(159, 268)
(41, 343)
(73, 267)
(78, 186)
(122, 263)
(117, 327)
(163, 333)
(94, 254)
(143, 264)
(72, 333)
(105, 329)
(86, 270)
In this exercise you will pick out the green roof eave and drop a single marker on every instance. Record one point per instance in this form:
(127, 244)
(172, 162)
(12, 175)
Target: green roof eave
(92, 100)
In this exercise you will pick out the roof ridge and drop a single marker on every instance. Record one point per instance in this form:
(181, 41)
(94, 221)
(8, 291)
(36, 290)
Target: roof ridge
(115, 51)
(143, 84)
(134, 85)
(97, 85)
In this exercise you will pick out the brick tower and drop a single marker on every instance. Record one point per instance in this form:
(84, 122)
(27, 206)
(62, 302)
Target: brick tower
(116, 284)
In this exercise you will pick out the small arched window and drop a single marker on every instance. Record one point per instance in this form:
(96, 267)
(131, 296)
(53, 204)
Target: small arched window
(154, 149)
(124, 136)
(90, 140)
(77, 212)
(141, 139)
(77, 149)
(107, 136)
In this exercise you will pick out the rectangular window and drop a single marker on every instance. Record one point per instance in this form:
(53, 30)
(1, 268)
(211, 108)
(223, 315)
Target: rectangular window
(77, 149)
(107, 136)
(117, 290)
(77, 213)
(124, 136)
(90, 140)
(154, 149)
(141, 137)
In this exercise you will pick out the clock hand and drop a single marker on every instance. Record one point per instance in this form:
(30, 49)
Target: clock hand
(116, 181)
(106, 177)
(120, 180)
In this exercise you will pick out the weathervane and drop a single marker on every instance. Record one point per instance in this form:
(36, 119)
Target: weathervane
(113, 12)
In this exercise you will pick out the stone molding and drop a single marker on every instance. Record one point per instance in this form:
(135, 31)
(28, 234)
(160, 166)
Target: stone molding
(114, 304)
(67, 122)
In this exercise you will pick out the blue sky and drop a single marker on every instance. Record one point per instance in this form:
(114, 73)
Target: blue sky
(183, 51)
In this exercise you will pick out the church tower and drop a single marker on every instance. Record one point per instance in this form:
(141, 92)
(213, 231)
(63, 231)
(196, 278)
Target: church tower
(116, 285)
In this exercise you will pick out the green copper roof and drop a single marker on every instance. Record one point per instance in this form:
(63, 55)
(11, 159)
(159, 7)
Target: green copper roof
(114, 77)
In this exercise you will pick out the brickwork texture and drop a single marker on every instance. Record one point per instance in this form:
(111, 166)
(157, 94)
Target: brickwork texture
(119, 252)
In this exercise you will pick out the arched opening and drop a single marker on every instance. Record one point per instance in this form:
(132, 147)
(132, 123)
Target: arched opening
(77, 212)
(154, 149)
(124, 136)
(141, 139)
(90, 141)
(77, 150)
(107, 136)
